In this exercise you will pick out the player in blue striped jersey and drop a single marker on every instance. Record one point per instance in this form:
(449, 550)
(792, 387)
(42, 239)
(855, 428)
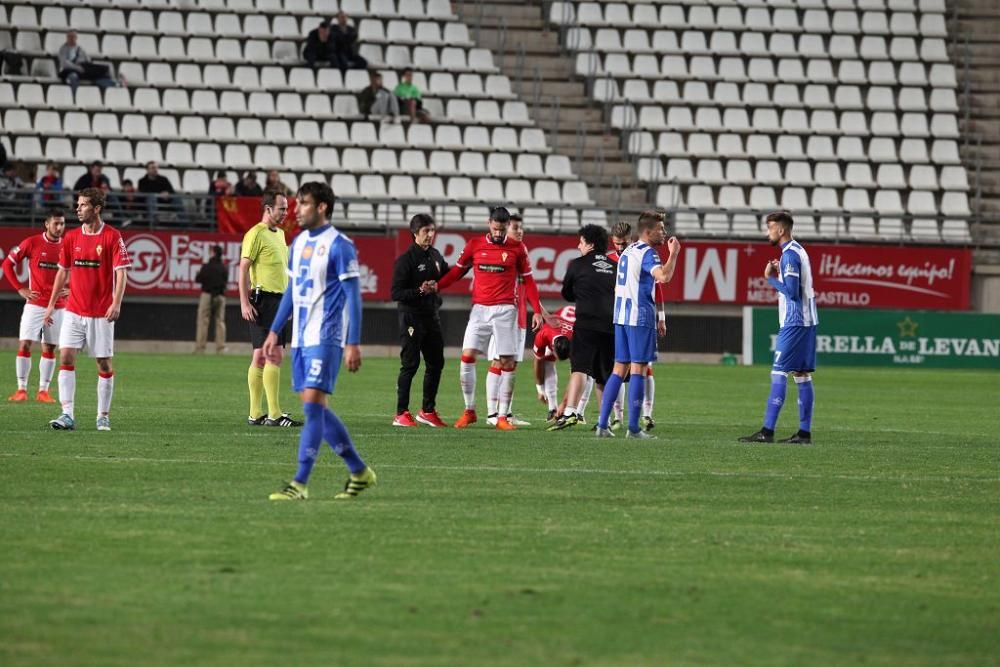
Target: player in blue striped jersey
(639, 270)
(323, 299)
(795, 348)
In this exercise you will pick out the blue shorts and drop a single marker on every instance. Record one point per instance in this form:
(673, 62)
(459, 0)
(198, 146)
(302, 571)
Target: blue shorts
(795, 350)
(316, 367)
(635, 344)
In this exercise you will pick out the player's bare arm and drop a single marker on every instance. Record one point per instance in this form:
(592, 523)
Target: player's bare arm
(665, 272)
(269, 344)
(772, 268)
(115, 309)
(62, 275)
(28, 294)
(246, 308)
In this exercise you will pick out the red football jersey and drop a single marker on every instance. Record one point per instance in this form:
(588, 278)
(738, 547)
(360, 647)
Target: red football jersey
(43, 262)
(92, 260)
(496, 267)
(543, 339)
(522, 304)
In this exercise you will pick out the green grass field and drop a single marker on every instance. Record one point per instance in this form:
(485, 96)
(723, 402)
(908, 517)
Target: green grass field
(154, 544)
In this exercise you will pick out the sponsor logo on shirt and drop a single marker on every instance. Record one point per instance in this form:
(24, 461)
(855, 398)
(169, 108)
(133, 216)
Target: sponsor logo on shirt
(87, 263)
(48, 265)
(491, 268)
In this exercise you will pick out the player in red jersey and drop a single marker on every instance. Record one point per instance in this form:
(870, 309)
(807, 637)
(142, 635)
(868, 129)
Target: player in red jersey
(621, 237)
(552, 343)
(497, 262)
(515, 232)
(41, 251)
(96, 255)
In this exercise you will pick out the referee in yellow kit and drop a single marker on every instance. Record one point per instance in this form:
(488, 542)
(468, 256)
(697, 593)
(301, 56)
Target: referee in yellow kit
(263, 278)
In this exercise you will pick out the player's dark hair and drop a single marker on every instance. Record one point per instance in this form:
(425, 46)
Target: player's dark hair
(54, 213)
(516, 217)
(650, 219)
(500, 214)
(270, 196)
(419, 221)
(321, 193)
(783, 218)
(596, 236)
(622, 230)
(561, 346)
(95, 195)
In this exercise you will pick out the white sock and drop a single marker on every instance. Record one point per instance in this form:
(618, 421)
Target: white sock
(23, 368)
(620, 401)
(46, 366)
(492, 391)
(67, 389)
(588, 387)
(647, 400)
(506, 392)
(105, 388)
(467, 378)
(551, 385)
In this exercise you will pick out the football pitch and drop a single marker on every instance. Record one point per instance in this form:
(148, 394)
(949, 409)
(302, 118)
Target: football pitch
(155, 544)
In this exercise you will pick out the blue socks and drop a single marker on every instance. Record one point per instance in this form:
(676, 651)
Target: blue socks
(636, 392)
(321, 424)
(806, 399)
(779, 383)
(608, 400)
(309, 440)
(335, 433)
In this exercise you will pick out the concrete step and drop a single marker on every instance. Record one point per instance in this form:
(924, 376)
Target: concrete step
(591, 170)
(493, 10)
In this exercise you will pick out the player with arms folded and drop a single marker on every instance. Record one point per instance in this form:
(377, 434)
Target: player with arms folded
(322, 290)
(42, 254)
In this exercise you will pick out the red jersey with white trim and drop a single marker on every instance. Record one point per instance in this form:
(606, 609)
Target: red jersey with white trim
(548, 333)
(496, 268)
(522, 304)
(43, 263)
(92, 260)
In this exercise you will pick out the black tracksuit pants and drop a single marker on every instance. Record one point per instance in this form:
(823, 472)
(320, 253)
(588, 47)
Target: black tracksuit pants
(419, 334)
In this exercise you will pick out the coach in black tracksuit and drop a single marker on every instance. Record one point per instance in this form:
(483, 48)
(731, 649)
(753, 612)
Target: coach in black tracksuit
(419, 322)
(590, 283)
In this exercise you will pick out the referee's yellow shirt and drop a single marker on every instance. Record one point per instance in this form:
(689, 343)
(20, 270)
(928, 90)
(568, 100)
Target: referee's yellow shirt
(268, 257)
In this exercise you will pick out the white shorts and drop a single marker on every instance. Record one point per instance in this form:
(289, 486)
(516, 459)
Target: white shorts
(94, 333)
(519, 355)
(497, 321)
(33, 324)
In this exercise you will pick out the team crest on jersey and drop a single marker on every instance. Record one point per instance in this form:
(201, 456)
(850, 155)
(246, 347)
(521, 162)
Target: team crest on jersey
(503, 257)
(409, 330)
(320, 250)
(99, 249)
(307, 252)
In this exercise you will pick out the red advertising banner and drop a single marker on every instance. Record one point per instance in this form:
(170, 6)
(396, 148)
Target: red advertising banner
(708, 272)
(166, 263)
(713, 272)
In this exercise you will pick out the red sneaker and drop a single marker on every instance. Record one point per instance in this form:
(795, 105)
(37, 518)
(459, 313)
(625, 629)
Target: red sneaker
(404, 419)
(430, 418)
(467, 419)
(18, 396)
(44, 397)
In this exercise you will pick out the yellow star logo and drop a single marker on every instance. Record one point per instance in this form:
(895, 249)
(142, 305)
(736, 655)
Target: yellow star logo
(907, 328)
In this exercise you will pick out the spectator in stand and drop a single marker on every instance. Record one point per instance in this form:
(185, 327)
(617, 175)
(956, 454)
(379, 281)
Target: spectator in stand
(375, 100)
(93, 178)
(275, 184)
(248, 186)
(345, 45)
(12, 202)
(50, 186)
(408, 97)
(320, 46)
(220, 187)
(159, 191)
(131, 208)
(74, 65)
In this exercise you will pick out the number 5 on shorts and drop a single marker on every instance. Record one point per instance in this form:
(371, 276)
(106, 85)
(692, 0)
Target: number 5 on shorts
(315, 368)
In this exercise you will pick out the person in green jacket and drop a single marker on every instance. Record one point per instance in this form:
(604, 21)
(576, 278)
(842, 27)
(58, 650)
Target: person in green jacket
(409, 97)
